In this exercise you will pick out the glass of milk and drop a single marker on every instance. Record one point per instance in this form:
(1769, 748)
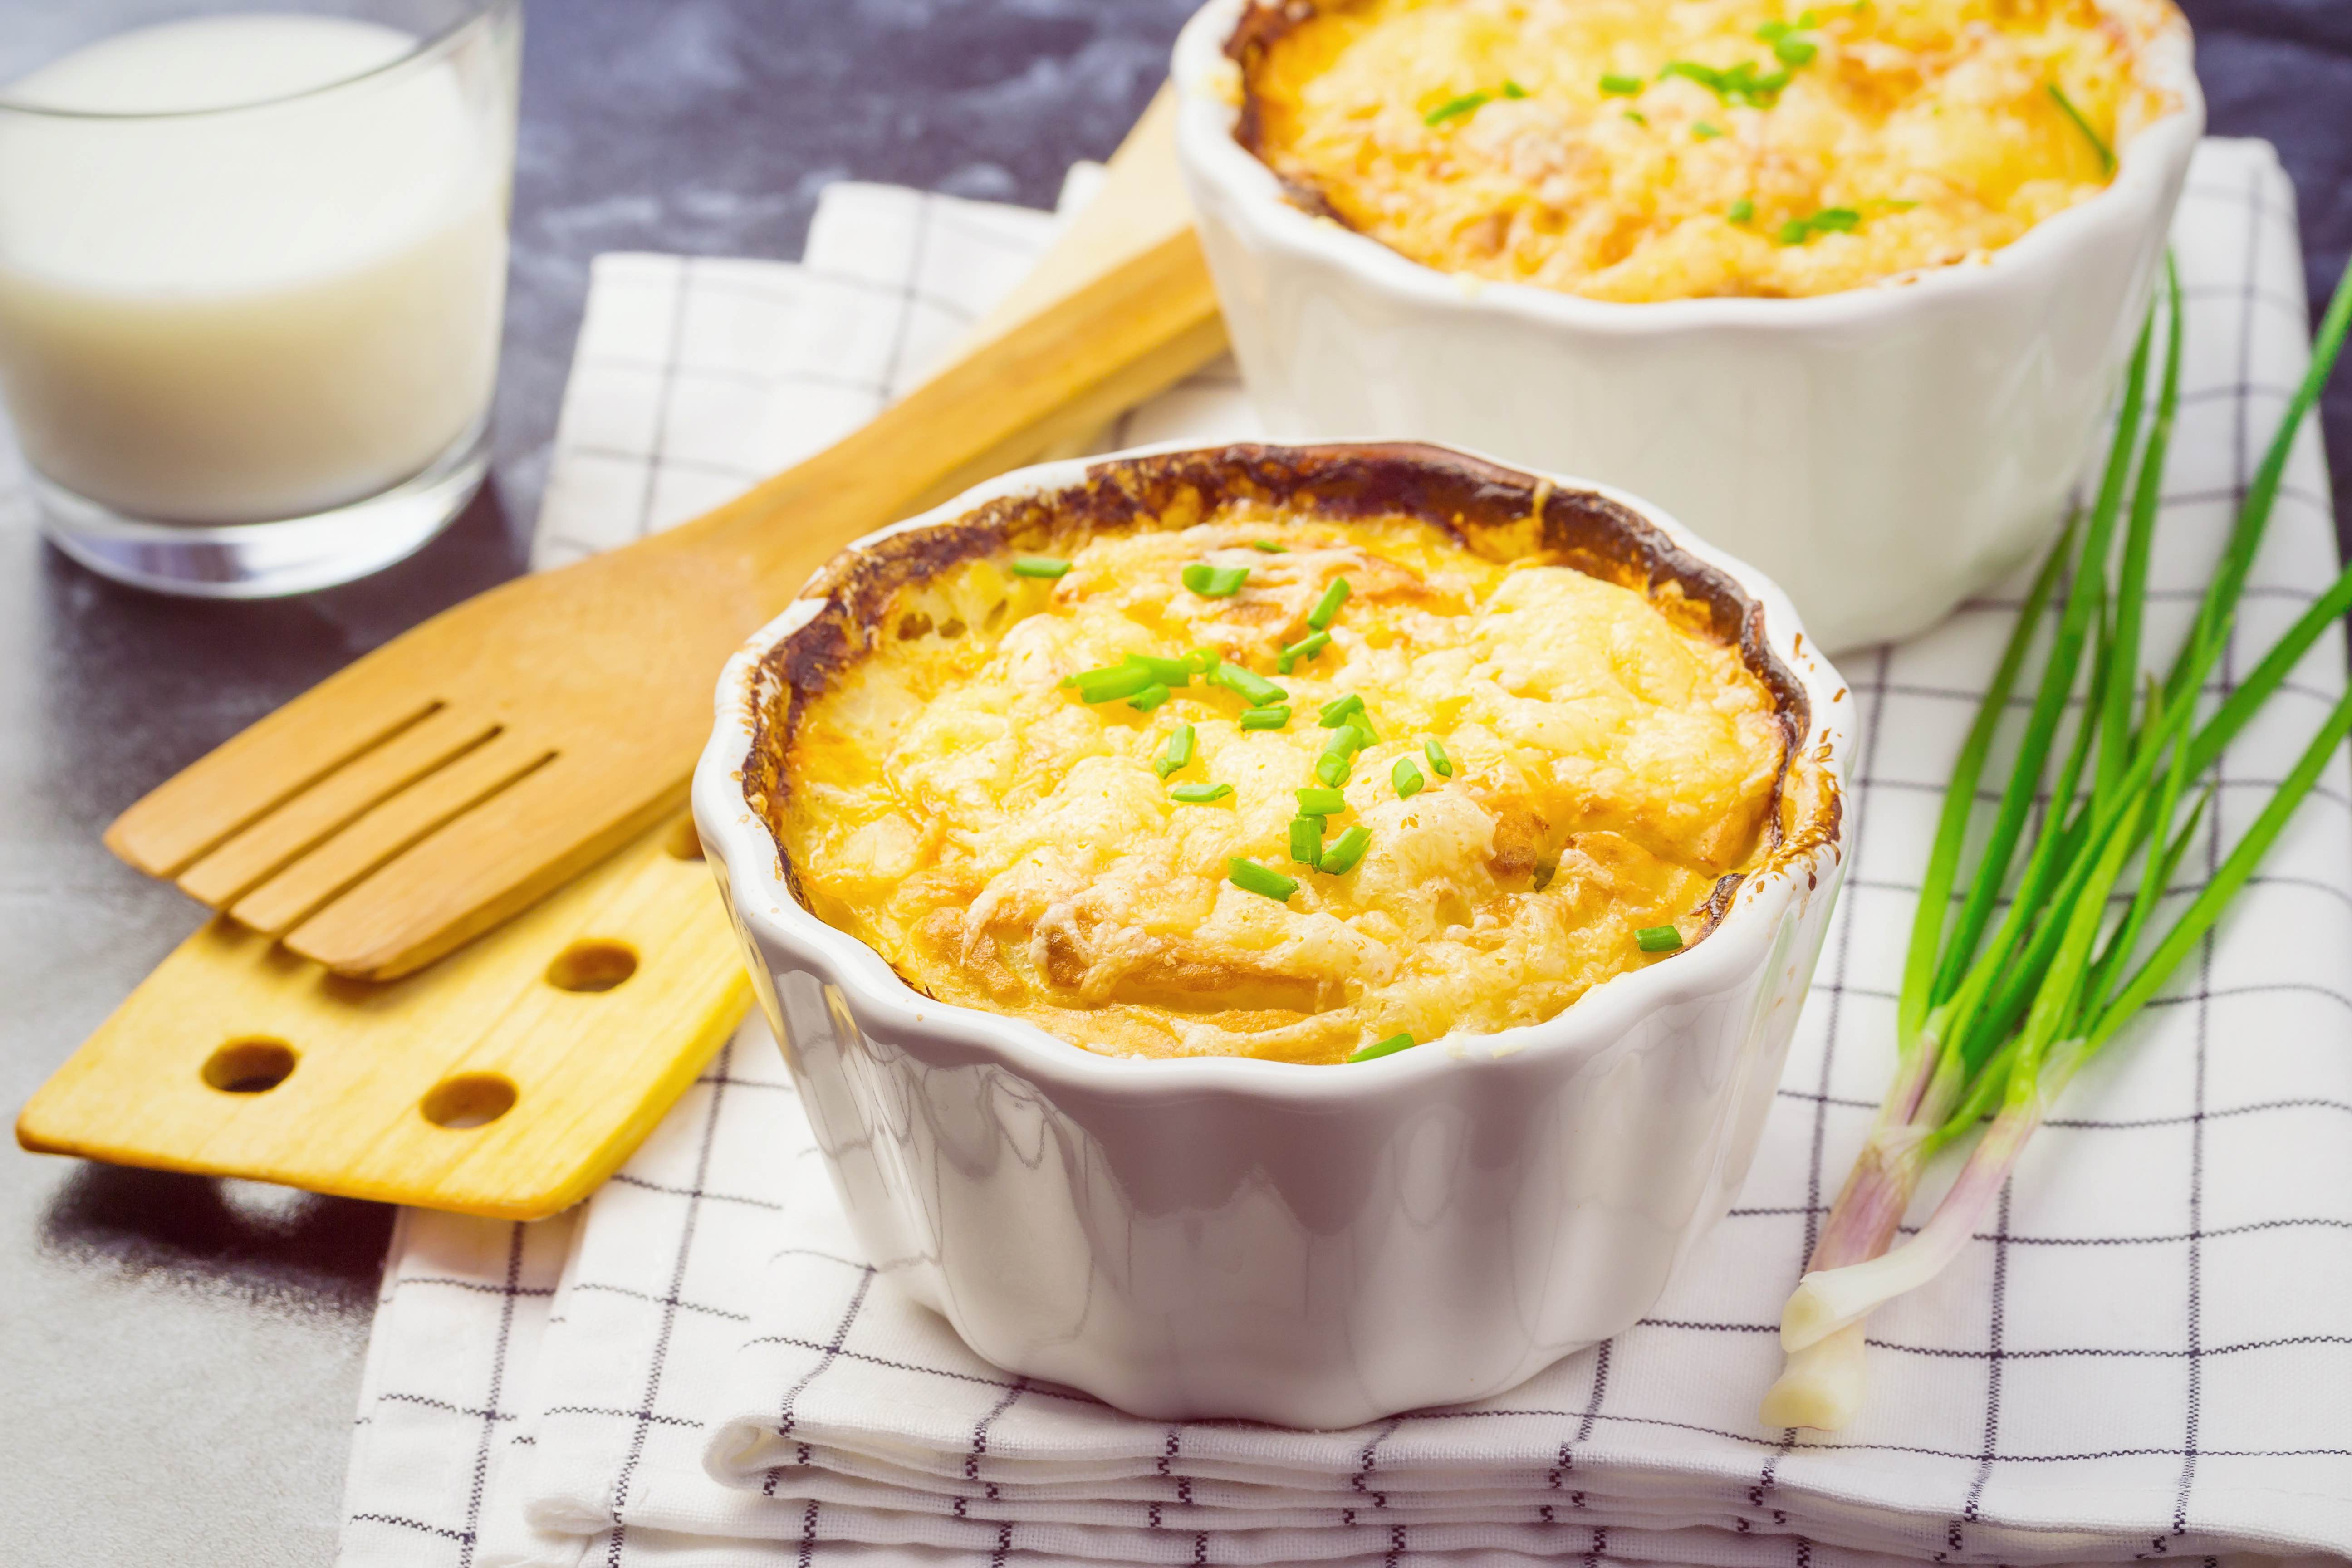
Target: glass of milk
(252, 265)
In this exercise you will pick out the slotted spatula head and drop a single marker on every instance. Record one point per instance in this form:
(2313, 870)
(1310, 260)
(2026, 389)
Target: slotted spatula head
(460, 772)
(464, 770)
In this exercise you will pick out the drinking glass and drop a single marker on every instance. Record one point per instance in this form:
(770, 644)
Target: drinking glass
(252, 268)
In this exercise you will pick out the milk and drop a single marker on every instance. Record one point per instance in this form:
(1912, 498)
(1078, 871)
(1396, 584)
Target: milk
(254, 312)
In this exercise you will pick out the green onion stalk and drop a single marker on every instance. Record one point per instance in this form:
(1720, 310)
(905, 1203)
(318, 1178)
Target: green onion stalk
(1996, 1015)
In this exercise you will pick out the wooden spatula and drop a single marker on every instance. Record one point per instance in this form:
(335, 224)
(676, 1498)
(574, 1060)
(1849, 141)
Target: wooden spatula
(462, 772)
(509, 1079)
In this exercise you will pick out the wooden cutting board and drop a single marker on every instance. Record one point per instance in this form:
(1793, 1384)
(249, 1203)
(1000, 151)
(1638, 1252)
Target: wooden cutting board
(509, 1079)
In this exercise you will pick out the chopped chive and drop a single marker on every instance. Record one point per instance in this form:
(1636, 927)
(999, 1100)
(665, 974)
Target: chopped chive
(1638, 118)
(1739, 84)
(1269, 546)
(1198, 793)
(1513, 89)
(1109, 683)
(1706, 132)
(1361, 723)
(1151, 696)
(1773, 32)
(1794, 51)
(1203, 661)
(1841, 220)
(1215, 582)
(1328, 605)
(1314, 802)
(1435, 751)
(1304, 647)
(1455, 107)
(1252, 877)
(1260, 691)
(1658, 939)
(1614, 86)
(1706, 75)
(1407, 778)
(1340, 856)
(1274, 716)
(1179, 752)
(1307, 840)
(1345, 740)
(1335, 712)
(1039, 566)
(1333, 768)
(1741, 210)
(1168, 671)
(1387, 1047)
(2098, 143)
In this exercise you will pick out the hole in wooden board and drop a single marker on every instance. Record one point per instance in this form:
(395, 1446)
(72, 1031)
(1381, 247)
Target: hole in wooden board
(593, 965)
(250, 1065)
(683, 843)
(469, 1099)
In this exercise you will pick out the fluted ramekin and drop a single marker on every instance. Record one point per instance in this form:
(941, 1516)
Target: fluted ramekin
(1883, 453)
(1311, 1246)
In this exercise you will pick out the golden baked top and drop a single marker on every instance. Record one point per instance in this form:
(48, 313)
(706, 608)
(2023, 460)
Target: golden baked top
(1637, 150)
(1511, 767)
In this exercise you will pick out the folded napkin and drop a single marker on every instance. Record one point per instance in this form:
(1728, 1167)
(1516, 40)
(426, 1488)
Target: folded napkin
(2147, 1355)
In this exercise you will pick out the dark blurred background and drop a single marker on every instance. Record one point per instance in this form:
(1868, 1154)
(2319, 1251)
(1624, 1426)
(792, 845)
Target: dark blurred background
(179, 1358)
(2282, 69)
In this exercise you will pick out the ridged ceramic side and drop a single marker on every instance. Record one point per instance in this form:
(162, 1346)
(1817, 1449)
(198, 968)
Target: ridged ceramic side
(1882, 453)
(1310, 1246)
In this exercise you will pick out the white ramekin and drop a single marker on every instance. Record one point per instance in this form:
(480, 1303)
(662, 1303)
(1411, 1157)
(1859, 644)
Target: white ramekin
(1311, 1246)
(1883, 453)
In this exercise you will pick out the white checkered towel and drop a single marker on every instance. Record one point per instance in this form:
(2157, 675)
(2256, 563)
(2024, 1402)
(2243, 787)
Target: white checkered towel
(2149, 1354)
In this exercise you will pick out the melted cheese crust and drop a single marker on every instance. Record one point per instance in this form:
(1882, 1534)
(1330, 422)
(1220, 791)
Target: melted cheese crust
(1007, 845)
(1931, 120)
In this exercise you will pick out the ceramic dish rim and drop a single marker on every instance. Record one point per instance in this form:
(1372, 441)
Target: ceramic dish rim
(740, 839)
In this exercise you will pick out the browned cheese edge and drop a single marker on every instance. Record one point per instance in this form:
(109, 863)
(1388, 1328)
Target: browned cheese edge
(1264, 22)
(1483, 507)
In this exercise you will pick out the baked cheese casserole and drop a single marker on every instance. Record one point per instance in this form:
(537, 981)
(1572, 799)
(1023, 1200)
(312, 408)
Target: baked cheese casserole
(1198, 762)
(1639, 150)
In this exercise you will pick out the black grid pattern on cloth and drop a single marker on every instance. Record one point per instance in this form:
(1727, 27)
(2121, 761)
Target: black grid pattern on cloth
(448, 1403)
(714, 1281)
